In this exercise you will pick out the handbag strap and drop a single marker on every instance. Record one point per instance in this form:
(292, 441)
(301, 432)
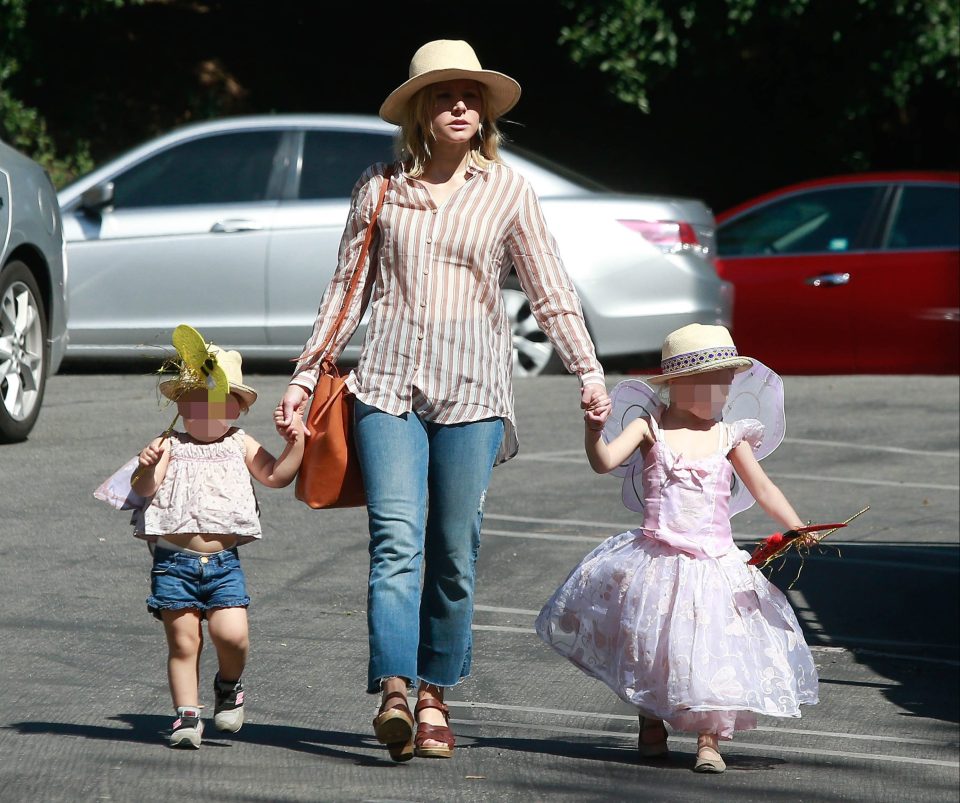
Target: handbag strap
(354, 279)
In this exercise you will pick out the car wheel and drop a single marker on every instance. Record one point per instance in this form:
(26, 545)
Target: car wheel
(23, 352)
(533, 353)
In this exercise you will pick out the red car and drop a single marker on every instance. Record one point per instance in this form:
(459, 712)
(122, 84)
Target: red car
(848, 274)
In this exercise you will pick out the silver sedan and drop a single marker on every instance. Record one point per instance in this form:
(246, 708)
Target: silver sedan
(32, 291)
(234, 226)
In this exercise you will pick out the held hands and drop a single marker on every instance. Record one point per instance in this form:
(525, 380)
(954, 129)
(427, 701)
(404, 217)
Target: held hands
(596, 405)
(288, 415)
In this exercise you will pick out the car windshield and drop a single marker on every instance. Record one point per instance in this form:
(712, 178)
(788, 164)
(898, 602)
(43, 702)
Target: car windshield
(564, 172)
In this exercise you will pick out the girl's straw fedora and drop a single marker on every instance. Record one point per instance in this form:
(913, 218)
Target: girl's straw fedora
(696, 349)
(448, 60)
(230, 362)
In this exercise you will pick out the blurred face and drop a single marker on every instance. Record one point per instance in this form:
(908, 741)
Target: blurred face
(702, 395)
(455, 111)
(206, 419)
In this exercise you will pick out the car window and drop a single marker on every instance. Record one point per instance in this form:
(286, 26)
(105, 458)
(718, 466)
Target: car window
(805, 223)
(225, 168)
(334, 160)
(926, 217)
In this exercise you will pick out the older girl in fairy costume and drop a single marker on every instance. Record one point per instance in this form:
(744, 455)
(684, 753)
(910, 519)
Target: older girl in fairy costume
(670, 615)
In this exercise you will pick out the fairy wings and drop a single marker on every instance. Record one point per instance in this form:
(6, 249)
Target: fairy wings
(755, 393)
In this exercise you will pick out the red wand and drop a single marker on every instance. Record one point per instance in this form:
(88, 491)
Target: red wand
(771, 548)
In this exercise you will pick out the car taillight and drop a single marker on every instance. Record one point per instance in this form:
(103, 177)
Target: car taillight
(668, 235)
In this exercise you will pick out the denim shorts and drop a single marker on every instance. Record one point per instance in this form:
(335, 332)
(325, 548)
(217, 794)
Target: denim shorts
(180, 580)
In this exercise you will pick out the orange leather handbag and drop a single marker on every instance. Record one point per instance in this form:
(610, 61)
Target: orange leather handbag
(329, 474)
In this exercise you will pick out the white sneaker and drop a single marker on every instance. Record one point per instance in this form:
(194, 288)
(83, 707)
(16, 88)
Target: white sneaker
(187, 728)
(228, 708)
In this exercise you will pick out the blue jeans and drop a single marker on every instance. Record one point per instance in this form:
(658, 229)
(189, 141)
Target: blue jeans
(422, 634)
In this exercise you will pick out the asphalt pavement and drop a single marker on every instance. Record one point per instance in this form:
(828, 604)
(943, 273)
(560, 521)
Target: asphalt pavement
(83, 695)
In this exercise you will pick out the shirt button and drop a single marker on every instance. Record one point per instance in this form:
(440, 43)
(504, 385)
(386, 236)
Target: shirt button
(420, 336)
(429, 240)
(425, 271)
(423, 303)
(434, 211)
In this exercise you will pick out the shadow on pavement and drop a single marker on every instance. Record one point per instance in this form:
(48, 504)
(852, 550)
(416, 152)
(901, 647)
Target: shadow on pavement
(594, 750)
(152, 729)
(895, 607)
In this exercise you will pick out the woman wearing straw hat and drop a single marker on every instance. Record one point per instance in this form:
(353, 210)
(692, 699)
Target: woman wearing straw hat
(434, 398)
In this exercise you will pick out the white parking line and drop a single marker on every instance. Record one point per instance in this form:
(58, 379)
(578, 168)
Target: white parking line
(854, 481)
(505, 629)
(633, 718)
(566, 522)
(863, 447)
(622, 527)
(747, 541)
(494, 609)
(568, 456)
(871, 448)
(765, 748)
(833, 641)
(588, 539)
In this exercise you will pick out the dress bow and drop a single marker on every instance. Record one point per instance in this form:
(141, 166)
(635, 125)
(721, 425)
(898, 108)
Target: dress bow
(687, 472)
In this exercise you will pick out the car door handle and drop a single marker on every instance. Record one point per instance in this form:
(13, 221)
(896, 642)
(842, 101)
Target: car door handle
(232, 226)
(828, 280)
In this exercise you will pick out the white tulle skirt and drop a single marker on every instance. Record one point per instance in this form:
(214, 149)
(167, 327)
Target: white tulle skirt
(705, 644)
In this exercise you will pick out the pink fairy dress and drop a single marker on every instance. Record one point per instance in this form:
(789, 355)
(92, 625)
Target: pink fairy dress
(672, 618)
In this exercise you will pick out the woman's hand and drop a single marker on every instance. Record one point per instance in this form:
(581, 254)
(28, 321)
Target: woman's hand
(596, 405)
(287, 417)
(592, 393)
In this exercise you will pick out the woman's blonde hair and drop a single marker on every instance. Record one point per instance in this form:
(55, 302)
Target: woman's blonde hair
(416, 134)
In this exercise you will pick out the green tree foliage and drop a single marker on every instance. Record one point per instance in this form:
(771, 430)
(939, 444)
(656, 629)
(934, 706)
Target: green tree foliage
(20, 125)
(890, 48)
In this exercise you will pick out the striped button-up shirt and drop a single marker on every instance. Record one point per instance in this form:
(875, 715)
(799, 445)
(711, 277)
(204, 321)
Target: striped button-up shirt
(439, 341)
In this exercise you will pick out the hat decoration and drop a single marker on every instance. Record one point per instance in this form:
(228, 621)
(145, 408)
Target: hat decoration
(449, 60)
(696, 349)
(204, 366)
(201, 366)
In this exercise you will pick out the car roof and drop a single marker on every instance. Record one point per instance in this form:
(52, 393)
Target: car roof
(884, 177)
(554, 178)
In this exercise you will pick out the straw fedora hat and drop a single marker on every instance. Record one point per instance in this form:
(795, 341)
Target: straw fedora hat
(696, 349)
(448, 60)
(230, 362)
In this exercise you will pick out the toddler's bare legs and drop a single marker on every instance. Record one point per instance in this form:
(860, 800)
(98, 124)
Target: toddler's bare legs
(184, 643)
(230, 634)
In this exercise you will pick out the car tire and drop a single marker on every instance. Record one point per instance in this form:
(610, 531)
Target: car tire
(533, 353)
(24, 353)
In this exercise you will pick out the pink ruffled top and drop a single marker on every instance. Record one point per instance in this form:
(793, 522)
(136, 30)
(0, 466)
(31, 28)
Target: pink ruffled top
(207, 489)
(686, 502)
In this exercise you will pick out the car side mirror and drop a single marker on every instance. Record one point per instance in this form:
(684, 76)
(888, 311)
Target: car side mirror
(97, 198)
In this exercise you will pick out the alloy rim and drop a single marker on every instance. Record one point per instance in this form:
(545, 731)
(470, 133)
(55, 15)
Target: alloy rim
(21, 351)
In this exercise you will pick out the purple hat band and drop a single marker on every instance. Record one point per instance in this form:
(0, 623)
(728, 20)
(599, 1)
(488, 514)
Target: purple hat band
(704, 358)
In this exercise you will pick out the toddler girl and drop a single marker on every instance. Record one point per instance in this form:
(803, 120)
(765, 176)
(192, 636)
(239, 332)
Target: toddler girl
(196, 505)
(670, 615)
